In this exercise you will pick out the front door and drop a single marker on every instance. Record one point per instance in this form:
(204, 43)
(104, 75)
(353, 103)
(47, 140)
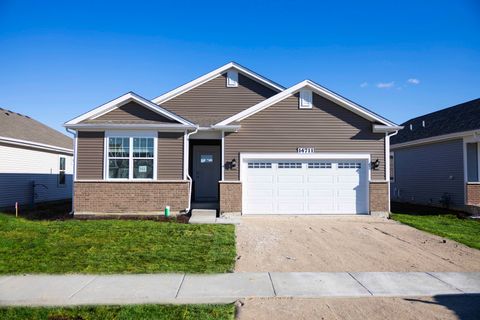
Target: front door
(206, 172)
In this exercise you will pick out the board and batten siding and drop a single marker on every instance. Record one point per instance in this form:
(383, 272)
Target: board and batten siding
(213, 101)
(424, 173)
(284, 127)
(132, 112)
(21, 167)
(90, 154)
(170, 156)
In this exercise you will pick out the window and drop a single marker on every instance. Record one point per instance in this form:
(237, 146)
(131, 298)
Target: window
(305, 101)
(392, 167)
(349, 165)
(319, 165)
(289, 165)
(131, 158)
(61, 171)
(232, 79)
(472, 162)
(259, 165)
(206, 158)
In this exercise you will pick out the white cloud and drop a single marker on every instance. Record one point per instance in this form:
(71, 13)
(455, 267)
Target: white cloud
(413, 81)
(364, 84)
(385, 85)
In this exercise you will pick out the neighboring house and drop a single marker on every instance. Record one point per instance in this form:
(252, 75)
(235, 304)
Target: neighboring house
(249, 145)
(435, 158)
(36, 162)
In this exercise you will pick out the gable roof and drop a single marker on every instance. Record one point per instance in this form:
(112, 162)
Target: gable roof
(20, 129)
(361, 111)
(459, 118)
(213, 74)
(115, 103)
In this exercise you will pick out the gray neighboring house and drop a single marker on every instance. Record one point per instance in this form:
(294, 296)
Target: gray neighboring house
(36, 161)
(435, 158)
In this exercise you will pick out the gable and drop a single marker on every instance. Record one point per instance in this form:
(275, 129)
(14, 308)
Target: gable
(213, 101)
(131, 112)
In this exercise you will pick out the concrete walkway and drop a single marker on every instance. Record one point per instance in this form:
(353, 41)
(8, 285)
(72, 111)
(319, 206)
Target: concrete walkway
(226, 288)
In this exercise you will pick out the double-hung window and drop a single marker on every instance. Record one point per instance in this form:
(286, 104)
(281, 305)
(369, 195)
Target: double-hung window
(61, 171)
(130, 157)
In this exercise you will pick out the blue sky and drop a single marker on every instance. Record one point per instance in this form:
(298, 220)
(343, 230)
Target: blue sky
(401, 59)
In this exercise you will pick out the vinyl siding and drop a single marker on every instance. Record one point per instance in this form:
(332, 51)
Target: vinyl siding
(424, 173)
(283, 128)
(90, 155)
(132, 112)
(170, 156)
(20, 167)
(213, 101)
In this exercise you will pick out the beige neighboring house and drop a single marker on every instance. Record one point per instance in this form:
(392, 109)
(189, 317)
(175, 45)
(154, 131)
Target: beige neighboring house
(36, 161)
(235, 141)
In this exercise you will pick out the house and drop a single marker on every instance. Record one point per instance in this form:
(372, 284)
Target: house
(36, 161)
(435, 158)
(246, 143)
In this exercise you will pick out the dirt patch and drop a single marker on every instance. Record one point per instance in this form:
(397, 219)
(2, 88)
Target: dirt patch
(331, 244)
(425, 308)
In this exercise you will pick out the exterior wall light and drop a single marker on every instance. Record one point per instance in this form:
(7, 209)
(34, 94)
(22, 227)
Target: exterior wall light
(375, 164)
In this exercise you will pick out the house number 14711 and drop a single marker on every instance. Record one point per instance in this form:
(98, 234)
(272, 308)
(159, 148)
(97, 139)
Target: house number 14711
(305, 150)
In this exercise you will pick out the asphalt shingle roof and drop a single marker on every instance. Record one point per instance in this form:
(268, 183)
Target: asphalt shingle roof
(462, 117)
(17, 126)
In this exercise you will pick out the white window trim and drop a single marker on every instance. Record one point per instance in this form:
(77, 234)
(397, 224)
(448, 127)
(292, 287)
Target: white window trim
(305, 100)
(130, 135)
(232, 79)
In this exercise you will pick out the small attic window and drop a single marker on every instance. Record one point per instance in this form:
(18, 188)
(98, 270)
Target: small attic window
(305, 101)
(232, 79)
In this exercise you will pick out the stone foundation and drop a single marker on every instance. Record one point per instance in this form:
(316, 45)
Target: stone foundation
(230, 197)
(130, 197)
(473, 194)
(379, 199)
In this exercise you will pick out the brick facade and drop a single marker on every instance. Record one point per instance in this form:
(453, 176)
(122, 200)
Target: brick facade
(473, 194)
(123, 197)
(379, 197)
(230, 197)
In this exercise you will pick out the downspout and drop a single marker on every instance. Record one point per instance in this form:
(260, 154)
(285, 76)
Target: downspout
(74, 170)
(388, 136)
(187, 148)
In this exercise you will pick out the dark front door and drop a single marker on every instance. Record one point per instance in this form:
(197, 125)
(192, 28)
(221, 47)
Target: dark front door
(206, 172)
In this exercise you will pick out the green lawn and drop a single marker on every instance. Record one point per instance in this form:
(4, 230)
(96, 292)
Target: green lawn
(466, 231)
(194, 312)
(113, 246)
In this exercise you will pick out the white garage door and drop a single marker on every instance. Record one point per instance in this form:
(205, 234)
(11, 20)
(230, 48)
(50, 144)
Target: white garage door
(305, 187)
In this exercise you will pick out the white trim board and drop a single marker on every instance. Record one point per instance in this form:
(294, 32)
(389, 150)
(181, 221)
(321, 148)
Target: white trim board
(317, 89)
(212, 75)
(36, 145)
(443, 137)
(120, 101)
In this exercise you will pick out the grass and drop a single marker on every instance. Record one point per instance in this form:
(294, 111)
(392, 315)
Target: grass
(466, 231)
(197, 312)
(113, 246)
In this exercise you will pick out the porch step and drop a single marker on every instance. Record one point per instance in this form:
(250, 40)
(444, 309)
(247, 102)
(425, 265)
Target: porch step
(204, 213)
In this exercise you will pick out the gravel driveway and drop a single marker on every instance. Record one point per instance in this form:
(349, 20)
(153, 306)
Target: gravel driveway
(283, 244)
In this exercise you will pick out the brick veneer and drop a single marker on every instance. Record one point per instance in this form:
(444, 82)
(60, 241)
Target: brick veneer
(473, 194)
(121, 197)
(230, 197)
(379, 197)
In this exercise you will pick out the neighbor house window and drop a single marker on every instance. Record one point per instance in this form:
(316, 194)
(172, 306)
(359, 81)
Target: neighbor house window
(472, 162)
(131, 157)
(392, 167)
(61, 171)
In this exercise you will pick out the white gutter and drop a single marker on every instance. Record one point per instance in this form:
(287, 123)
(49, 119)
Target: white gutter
(378, 128)
(74, 166)
(187, 210)
(387, 162)
(35, 145)
(137, 126)
(226, 128)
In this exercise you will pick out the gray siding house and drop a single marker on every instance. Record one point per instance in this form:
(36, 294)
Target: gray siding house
(36, 161)
(235, 141)
(435, 158)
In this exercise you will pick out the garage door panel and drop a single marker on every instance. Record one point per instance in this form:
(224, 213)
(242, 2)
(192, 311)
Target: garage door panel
(307, 187)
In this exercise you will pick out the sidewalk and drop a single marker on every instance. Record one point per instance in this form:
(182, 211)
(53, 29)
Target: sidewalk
(226, 288)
